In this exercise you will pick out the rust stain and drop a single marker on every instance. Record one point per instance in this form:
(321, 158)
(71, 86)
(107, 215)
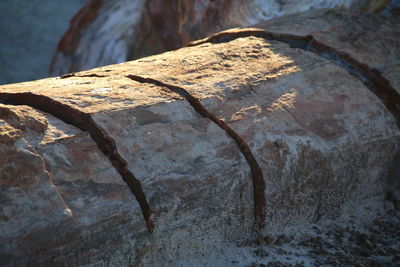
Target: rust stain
(165, 17)
(318, 117)
(256, 172)
(85, 122)
(370, 77)
(79, 22)
(179, 22)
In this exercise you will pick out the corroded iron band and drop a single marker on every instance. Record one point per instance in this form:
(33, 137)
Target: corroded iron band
(257, 175)
(86, 123)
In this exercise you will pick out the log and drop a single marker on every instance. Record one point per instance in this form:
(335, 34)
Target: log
(248, 134)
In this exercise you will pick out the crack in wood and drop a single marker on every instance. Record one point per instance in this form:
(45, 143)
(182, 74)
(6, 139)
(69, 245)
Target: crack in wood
(370, 77)
(257, 175)
(74, 74)
(85, 122)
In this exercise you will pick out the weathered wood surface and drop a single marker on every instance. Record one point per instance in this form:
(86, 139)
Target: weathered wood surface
(325, 141)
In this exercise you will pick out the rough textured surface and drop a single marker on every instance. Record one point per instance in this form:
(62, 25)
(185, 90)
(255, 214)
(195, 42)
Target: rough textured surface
(352, 34)
(325, 143)
(382, 81)
(114, 31)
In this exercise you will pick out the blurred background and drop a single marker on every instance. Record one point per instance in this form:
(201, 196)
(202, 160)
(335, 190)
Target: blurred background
(30, 31)
(42, 38)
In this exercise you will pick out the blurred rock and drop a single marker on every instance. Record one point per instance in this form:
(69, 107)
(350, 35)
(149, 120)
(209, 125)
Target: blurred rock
(114, 31)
